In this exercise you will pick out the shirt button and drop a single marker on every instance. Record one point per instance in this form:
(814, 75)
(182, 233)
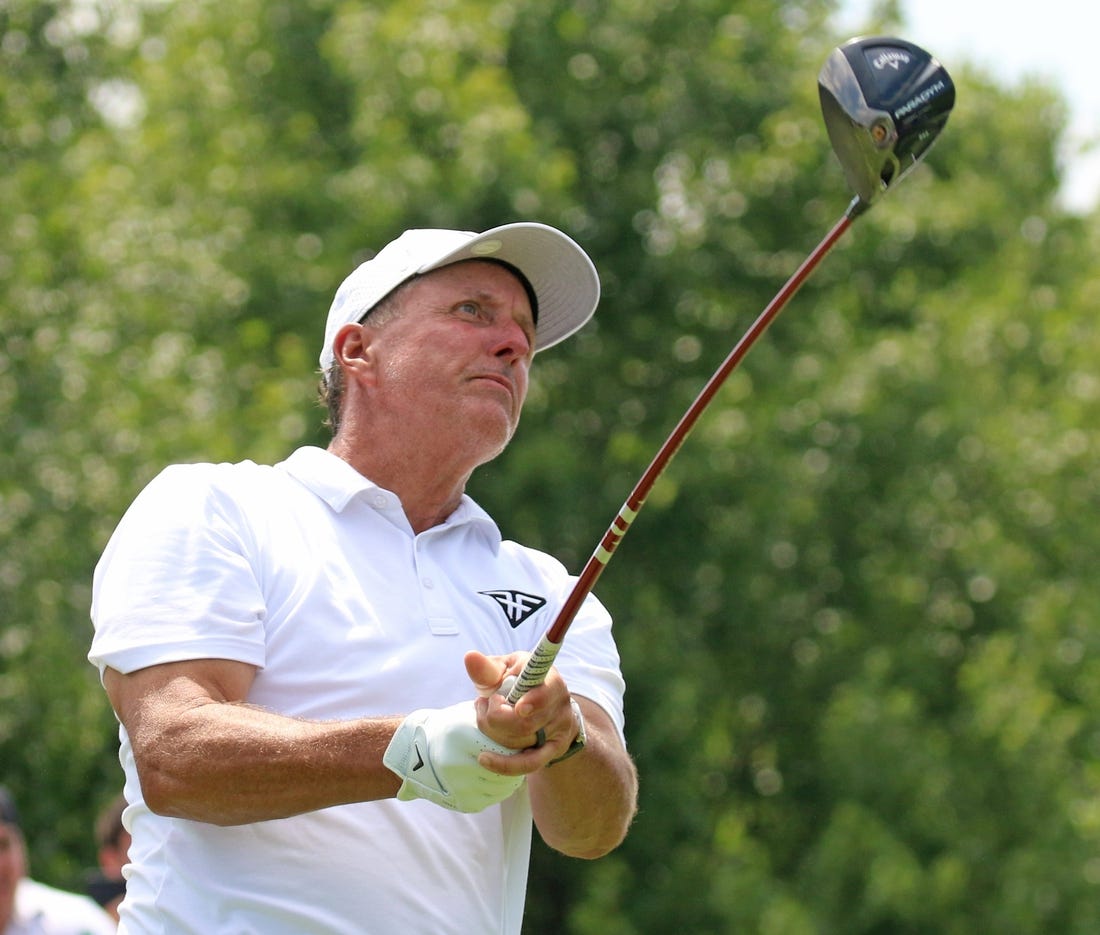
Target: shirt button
(428, 583)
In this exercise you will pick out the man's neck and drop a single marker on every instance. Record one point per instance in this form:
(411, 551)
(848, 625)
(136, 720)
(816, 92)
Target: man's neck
(429, 485)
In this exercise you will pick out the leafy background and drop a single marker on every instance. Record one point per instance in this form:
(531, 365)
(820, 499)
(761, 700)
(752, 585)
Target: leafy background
(858, 616)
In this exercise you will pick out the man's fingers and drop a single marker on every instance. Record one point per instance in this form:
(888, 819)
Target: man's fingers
(486, 672)
(518, 764)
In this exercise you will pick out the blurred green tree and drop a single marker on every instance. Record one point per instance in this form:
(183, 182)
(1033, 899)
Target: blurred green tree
(857, 616)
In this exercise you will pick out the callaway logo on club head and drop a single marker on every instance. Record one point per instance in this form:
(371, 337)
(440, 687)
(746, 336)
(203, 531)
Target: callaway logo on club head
(516, 605)
(890, 58)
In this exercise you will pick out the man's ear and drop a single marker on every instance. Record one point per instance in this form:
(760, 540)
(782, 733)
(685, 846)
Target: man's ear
(351, 347)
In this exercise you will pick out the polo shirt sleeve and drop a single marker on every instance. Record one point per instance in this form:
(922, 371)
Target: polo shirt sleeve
(175, 581)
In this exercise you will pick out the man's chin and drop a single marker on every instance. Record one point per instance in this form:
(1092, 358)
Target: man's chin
(496, 442)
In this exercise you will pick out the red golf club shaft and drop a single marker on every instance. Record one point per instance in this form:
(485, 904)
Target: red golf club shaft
(534, 672)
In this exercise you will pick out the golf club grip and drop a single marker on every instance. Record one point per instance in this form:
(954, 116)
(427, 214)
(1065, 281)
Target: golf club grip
(534, 672)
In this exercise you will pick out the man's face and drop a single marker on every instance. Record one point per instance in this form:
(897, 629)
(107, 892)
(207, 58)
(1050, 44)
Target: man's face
(457, 355)
(13, 867)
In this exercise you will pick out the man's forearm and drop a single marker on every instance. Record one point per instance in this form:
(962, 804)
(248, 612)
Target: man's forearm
(203, 754)
(583, 806)
(230, 764)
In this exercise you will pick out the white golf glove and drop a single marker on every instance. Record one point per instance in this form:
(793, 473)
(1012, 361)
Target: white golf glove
(434, 751)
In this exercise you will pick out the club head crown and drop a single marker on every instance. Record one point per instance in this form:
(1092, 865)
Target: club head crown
(885, 102)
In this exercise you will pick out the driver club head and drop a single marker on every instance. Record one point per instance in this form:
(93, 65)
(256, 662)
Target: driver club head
(885, 101)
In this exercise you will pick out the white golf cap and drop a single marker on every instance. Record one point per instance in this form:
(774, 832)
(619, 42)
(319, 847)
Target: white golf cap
(562, 276)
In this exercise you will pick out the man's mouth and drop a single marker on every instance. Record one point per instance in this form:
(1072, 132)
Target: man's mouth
(499, 379)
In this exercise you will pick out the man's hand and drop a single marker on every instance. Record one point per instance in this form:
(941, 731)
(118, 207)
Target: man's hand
(542, 726)
(435, 752)
(583, 807)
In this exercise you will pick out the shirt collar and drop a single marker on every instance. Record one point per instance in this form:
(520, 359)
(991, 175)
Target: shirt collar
(337, 483)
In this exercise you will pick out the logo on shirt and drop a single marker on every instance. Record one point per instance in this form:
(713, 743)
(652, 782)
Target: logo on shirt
(517, 605)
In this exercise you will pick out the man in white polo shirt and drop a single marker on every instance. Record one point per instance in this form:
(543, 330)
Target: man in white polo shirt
(304, 657)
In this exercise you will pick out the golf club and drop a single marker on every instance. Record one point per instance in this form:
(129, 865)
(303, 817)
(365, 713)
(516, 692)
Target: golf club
(885, 101)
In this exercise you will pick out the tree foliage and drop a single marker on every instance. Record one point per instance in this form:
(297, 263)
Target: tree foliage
(857, 616)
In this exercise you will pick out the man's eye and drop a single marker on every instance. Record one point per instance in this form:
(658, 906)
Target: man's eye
(470, 308)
